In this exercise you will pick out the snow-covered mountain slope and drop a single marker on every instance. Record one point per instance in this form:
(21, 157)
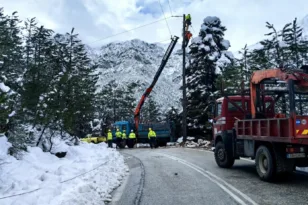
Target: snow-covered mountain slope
(138, 61)
(304, 25)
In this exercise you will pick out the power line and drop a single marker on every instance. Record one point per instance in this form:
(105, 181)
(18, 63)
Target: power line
(162, 41)
(165, 17)
(170, 8)
(193, 28)
(153, 22)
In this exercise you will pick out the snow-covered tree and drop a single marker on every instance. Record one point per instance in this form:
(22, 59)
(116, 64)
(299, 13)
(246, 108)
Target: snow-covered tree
(11, 69)
(150, 111)
(117, 103)
(296, 47)
(205, 50)
(175, 118)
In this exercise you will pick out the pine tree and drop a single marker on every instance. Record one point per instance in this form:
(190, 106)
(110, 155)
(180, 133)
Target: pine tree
(10, 49)
(5, 107)
(230, 76)
(117, 103)
(106, 103)
(11, 68)
(272, 49)
(79, 90)
(296, 45)
(39, 73)
(128, 102)
(150, 111)
(173, 116)
(205, 51)
(259, 60)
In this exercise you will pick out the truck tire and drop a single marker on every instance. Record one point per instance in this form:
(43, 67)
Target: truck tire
(265, 164)
(222, 158)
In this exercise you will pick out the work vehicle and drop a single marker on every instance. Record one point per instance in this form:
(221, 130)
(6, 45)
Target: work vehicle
(93, 139)
(277, 141)
(163, 130)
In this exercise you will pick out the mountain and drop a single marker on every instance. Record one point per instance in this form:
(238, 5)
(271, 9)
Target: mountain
(137, 61)
(304, 25)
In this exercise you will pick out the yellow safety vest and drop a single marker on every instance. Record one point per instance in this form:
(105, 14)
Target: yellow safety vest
(132, 136)
(151, 134)
(123, 135)
(118, 134)
(109, 136)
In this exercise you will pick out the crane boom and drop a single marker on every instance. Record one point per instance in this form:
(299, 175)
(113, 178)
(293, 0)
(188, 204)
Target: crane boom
(159, 71)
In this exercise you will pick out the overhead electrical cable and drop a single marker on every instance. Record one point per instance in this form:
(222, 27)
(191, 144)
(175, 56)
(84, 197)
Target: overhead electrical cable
(165, 17)
(153, 22)
(170, 8)
(162, 41)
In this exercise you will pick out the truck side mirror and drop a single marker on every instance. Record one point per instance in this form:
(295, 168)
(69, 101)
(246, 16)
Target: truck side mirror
(211, 110)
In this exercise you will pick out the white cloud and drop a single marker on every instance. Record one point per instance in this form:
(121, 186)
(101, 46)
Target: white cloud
(98, 19)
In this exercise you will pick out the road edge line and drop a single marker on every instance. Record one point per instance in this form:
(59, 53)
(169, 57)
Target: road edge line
(207, 175)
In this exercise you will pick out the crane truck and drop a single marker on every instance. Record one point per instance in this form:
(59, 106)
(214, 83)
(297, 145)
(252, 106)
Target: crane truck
(164, 130)
(246, 125)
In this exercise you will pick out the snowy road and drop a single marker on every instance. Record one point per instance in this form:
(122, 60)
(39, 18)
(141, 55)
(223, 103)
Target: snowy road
(187, 176)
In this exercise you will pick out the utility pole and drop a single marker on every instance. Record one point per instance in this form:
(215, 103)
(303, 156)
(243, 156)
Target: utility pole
(114, 106)
(184, 100)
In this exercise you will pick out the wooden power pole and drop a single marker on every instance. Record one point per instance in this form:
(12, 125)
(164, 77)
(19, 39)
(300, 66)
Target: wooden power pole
(184, 100)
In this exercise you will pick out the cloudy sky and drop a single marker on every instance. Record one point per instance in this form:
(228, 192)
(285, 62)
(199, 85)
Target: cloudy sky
(96, 20)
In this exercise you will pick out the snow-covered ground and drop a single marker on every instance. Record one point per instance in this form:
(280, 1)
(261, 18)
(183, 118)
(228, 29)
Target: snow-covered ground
(86, 175)
(190, 143)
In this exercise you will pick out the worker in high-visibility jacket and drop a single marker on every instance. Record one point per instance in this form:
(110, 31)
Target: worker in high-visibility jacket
(187, 21)
(188, 35)
(124, 138)
(118, 135)
(131, 139)
(109, 138)
(152, 138)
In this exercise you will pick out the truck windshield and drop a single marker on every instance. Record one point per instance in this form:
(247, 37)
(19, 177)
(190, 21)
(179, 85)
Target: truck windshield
(232, 108)
(218, 109)
(124, 127)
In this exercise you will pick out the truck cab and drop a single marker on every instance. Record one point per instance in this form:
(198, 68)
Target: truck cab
(229, 109)
(122, 125)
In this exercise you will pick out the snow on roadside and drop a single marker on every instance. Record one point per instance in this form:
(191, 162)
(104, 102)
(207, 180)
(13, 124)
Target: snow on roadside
(87, 175)
(190, 143)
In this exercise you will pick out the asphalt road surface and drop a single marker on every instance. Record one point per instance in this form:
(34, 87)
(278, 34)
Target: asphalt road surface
(179, 176)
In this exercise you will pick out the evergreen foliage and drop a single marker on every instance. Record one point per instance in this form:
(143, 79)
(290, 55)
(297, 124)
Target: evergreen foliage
(205, 51)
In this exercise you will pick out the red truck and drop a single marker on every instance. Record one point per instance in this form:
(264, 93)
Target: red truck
(247, 125)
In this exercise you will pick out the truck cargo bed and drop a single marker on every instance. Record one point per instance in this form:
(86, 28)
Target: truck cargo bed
(273, 130)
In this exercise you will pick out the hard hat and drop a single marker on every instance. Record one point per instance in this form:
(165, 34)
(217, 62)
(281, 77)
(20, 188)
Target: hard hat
(150, 128)
(132, 130)
(118, 129)
(109, 130)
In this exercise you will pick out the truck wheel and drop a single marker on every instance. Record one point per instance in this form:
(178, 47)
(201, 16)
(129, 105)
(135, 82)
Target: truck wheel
(265, 164)
(222, 158)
